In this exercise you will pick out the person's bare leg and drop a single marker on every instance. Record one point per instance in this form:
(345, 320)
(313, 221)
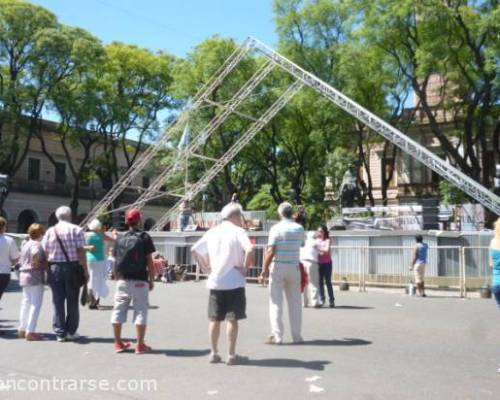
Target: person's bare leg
(117, 330)
(420, 288)
(214, 333)
(141, 333)
(232, 335)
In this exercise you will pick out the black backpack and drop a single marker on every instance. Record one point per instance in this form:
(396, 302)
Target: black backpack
(129, 253)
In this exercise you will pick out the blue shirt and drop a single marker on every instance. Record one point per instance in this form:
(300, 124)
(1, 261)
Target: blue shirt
(495, 256)
(422, 253)
(287, 237)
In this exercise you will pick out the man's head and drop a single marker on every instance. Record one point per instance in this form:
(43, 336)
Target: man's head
(133, 218)
(232, 212)
(419, 238)
(63, 213)
(285, 210)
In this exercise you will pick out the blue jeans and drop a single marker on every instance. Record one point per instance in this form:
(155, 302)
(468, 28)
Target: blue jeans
(495, 289)
(325, 278)
(64, 298)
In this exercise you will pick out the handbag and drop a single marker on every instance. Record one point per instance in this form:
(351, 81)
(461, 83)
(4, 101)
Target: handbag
(79, 278)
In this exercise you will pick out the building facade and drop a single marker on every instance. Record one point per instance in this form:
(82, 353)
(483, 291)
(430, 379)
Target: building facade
(39, 187)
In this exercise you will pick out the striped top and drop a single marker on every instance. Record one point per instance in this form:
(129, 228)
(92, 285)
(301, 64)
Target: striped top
(287, 236)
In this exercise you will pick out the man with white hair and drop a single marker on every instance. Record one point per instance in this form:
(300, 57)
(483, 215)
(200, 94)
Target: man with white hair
(64, 245)
(281, 264)
(226, 252)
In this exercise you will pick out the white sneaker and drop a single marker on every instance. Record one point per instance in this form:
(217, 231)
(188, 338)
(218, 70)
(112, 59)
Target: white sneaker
(73, 336)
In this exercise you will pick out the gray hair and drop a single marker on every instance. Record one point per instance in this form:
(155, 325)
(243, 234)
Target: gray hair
(95, 225)
(231, 210)
(285, 210)
(63, 213)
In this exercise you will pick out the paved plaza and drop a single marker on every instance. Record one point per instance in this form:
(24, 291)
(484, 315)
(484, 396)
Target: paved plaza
(374, 345)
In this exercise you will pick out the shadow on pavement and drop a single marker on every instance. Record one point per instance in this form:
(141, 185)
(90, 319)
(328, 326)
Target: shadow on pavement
(353, 308)
(8, 333)
(332, 342)
(288, 363)
(187, 353)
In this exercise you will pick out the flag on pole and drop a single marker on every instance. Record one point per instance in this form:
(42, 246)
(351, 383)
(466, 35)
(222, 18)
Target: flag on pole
(185, 138)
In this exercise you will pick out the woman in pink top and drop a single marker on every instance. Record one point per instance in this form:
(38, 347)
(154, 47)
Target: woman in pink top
(325, 266)
(31, 278)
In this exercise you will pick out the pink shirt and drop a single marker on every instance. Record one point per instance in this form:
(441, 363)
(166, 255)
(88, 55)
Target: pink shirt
(324, 245)
(29, 274)
(72, 237)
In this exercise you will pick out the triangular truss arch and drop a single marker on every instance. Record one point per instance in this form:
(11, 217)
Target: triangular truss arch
(301, 78)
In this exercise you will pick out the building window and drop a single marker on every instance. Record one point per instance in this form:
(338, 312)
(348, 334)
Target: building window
(33, 169)
(60, 173)
(145, 182)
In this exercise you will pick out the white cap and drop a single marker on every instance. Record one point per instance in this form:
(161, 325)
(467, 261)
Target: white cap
(95, 225)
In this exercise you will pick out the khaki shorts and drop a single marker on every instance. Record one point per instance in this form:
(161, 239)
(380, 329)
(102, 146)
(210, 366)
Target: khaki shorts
(133, 291)
(419, 271)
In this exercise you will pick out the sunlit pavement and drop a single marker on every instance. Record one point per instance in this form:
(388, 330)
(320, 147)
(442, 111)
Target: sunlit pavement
(374, 345)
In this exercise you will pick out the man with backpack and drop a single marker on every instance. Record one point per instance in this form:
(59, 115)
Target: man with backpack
(134, 272)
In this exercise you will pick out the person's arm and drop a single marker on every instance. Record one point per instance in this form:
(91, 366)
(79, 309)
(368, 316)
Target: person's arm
(200, 254)
(82, 256)
(151, 271)
(202, 260)
(414, 259)
(89, 247)
(14, 253)
(268, 259)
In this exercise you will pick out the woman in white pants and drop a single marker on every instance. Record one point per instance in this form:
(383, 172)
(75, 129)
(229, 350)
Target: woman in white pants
(31, 278)
(309, 254)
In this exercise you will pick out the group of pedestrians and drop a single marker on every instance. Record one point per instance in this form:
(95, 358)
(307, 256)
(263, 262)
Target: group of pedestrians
(65, 260)
(316, 257)
(224, 252)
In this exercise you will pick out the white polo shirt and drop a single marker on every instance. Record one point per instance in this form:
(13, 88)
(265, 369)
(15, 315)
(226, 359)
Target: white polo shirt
(8, 252)
(225, 246)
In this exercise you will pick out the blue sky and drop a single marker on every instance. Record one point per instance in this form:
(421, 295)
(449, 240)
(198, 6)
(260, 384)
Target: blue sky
(172, 25)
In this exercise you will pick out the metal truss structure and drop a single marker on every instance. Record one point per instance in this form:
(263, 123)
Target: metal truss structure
(302, 78)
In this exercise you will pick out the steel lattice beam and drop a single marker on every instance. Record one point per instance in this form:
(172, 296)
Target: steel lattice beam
(205, 133)
(408, 145)
(232, 152)
(144, 160)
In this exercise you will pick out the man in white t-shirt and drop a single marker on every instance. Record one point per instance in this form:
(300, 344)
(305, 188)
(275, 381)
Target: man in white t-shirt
(226, 252)
(9, 254)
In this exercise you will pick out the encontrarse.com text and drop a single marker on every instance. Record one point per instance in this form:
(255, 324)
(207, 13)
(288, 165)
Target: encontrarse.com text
(77, 385)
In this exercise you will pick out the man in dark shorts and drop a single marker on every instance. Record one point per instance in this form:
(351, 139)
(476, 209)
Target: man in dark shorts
(226, 252)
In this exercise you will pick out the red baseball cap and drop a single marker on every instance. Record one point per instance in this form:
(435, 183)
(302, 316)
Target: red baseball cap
(133, 217)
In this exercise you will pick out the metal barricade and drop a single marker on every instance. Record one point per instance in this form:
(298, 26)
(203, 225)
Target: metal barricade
(476, 267)
(449, 267)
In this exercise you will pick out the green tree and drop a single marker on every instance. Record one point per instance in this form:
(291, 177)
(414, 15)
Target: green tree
(458, 40)
(132, 89)
(24, 86)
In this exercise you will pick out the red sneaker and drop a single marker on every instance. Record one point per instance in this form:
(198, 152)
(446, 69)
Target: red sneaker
(142, 348)
(120, 347)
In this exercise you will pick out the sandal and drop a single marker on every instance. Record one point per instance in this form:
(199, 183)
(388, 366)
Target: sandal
(272, 340)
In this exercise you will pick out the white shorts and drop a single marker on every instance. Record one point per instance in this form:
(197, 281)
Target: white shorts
(419, 271)
(127, 291)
